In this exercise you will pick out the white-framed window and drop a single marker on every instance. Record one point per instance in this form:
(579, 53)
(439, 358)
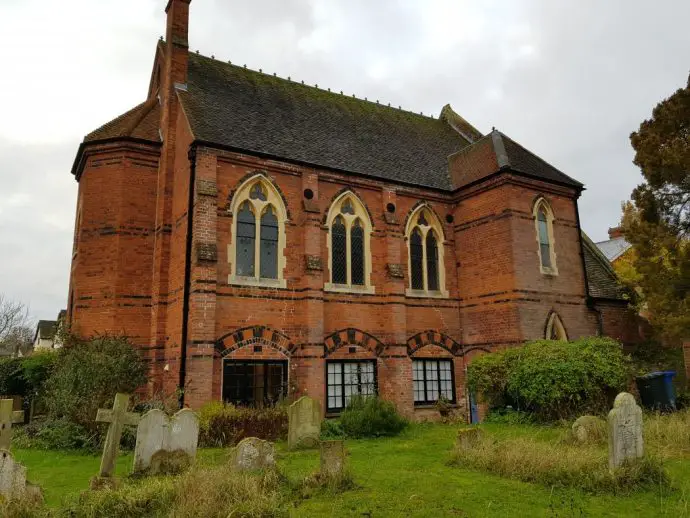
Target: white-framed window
(554, 328)
(349, 245)
(346, 379)
(256, 250)
(432, 379)
(426, 271)
(543, 219)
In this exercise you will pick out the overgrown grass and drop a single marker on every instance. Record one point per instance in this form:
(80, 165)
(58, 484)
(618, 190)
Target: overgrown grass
(668, 435)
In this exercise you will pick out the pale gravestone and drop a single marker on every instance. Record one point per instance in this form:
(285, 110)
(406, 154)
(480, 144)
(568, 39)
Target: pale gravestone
(333, 458)
(468, 438)
(589, 428)
(13, 484)
(7, 418)
(166, 444)
(304, 423)
(118, 417)
(252, 454)
(625, 431)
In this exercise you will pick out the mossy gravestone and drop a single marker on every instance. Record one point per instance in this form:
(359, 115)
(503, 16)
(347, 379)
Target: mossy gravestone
(252, 454)
(625, 431)
(166, 444)
(333, 458)
(589, 429)
(468, 438)
(304, 423)
(13, 484)
(7, 418)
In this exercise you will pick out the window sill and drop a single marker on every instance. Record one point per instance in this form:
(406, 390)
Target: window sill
(343, 288)
(551, 272)
(421, 294)
(280, 284)
(432, 406)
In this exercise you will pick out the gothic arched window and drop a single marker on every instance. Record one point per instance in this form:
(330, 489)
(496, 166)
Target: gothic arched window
(349, 257)
(425, 254)
(256, 250)
(543, 217)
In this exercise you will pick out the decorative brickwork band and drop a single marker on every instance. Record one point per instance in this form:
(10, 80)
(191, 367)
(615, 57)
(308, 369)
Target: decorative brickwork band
(254, 335)
(206, 252)
(431, 337)
(395, 270)
(351, 336)
(314, 262)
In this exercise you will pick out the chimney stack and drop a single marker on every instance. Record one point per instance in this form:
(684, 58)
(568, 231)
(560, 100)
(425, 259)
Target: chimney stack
(177, 41)
(615, 232)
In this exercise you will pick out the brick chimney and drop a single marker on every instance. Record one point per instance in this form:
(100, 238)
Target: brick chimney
(615, 232)
(177, 40)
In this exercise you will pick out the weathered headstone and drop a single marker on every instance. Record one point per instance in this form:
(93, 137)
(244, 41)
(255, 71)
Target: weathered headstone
(589, 428)
(625, 431)
(332, 458)
(166, 444)
(304, 423)
(13, 484)
(118, 417)
(252, 454)
(468, 438)
(7, 418)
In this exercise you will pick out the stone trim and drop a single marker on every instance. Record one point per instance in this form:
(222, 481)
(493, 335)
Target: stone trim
(431, 337)
(352, 336)
(261, 335)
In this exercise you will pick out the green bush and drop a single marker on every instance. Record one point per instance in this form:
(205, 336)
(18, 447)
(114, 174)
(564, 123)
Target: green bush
(55, 434)
(332, 429)
(552, 379)
(223, 424)
(25, 376)
(88, 374)
(371, 417)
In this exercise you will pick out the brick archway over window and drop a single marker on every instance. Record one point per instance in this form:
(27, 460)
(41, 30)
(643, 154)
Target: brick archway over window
(352, 336)
(432, 337)
(256, 335)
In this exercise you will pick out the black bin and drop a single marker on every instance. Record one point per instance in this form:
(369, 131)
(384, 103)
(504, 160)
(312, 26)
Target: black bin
(656, 390)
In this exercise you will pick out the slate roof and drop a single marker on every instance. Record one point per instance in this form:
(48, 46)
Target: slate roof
(614, 248)
(142, 122)
(46, 329)
(601, 278)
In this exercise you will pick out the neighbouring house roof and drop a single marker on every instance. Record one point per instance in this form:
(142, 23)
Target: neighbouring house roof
(46, 329)
(601, 278)
(614, 248)
(142, 122)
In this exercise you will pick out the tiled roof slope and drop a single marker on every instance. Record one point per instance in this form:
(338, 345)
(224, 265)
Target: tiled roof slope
(241, 108)
(614, 248)
(142, 122)
(495, 152)
(602, 280)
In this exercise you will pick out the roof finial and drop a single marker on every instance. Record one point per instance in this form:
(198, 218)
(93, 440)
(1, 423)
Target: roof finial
(261, 71)
(329, 88)
(493, 128)
(316, 85)
(289, 79)
(197, 51)
(274, 74)
(161, 39)
(213, 56)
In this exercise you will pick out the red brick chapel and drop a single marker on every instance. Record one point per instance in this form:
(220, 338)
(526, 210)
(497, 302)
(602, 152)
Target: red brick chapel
(257, 238)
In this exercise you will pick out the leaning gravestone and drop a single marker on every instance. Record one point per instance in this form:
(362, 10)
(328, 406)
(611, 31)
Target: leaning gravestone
(625, 431)
(333, 458)
(252, 454)
(13, 484)
(304, 423)
(166, 444)
(7, 418)
(468, 438)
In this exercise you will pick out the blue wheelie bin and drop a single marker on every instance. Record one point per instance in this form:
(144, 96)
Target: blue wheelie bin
(656, 391)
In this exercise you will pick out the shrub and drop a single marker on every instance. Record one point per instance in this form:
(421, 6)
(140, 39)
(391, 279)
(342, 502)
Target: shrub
(88, 374)
(56, 434)
(25, 376)
(553, 379)
(509, 416)
(371, 417)
(332, 429)
(223, 424)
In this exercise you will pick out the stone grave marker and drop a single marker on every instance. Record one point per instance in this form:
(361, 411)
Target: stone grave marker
(304, 423)
(252, 454)
(625, 431)
(118, 418)
(589, 428)
(13, 484)
(332, 458)
(468, 438)
(7, 418)
(166, 444)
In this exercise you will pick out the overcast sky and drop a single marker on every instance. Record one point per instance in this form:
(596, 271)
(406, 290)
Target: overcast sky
(568, 80)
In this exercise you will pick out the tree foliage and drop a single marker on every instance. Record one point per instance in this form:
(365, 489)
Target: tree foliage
(657, 222)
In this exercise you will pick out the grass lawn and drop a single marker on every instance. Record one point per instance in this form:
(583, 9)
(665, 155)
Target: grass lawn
(405, 476)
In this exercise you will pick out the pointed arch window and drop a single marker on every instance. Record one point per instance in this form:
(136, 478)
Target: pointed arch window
(543, 217)
(256, 252)
(349, 256)
(554, 328)
(425, 254)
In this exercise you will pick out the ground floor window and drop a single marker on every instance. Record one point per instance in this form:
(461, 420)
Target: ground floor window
(253, 383)
(431, 379)
(347, 379)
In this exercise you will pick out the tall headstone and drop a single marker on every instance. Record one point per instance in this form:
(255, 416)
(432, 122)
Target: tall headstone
(166, 444)
(332, 458)
(13, 484)
(7, 418)
(468, 438)
(252, 454)
(118, 418)
(304, 423)
(625, 431)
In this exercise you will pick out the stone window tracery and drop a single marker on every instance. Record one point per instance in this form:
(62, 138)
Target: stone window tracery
(426, 272)
(554, 328)
(543, 218)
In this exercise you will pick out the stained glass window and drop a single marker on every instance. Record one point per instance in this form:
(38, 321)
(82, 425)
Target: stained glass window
(544, 244)
(257, 192)
(417, 260)
(348, 379)
(269, 244)
(422, 219)
(357, 253)
(339, 251)
(431, 379)
(246, 236)
(431, 261)
(346, 208)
